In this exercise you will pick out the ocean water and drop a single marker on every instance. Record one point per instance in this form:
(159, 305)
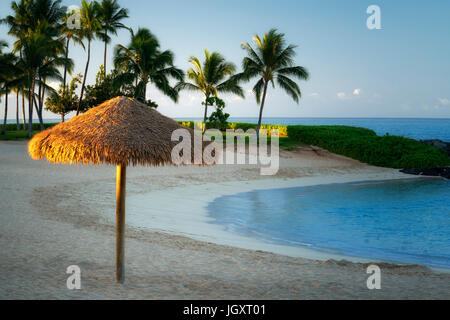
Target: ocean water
(395, 221)
(407, 127)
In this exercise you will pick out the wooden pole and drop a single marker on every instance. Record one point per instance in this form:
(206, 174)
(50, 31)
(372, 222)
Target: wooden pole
(120, 223)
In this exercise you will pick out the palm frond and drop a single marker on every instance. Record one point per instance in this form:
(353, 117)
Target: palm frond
(290, 87)
(231, 86)
(257, 90)
(186, 86)
(298, 72)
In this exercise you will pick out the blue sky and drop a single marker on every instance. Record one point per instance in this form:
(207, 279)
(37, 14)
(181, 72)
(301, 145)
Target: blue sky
(402, 70)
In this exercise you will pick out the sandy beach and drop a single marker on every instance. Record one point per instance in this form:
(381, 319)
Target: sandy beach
(56, 216)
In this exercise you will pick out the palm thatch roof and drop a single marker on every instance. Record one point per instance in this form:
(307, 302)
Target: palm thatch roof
(121, 131)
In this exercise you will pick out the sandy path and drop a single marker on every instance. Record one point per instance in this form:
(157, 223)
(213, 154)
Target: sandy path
(54, 216)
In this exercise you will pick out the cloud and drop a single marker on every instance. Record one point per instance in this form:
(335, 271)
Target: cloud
(236, 98)
(314, 94)
(341, 95)
(54, 84)
(356, 92)
(444, 101)
(430, 108)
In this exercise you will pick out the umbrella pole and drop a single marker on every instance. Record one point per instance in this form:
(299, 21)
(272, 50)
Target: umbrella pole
(120, 223)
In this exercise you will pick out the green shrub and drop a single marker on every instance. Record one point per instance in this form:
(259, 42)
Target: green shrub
(187, 124)
(283, 131)
(16, 135)
(244, 126)
(217, 125)
(36, 126)
(364, 145)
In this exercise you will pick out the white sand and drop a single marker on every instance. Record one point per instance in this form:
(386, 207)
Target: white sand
(56, 216)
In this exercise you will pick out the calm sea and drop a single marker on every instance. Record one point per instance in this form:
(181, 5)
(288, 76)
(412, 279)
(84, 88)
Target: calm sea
(395, 221)
(408, 127)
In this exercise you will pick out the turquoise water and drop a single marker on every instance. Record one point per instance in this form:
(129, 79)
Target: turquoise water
(395, 221)
(408, 127)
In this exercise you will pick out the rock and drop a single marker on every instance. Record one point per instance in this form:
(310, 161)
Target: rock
(438, 144)
(433, 172)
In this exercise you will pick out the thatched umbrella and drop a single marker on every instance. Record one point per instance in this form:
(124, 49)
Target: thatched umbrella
(120, 132)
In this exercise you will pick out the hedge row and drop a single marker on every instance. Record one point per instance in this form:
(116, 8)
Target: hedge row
(364, 145)
(282, 130)
(36, 126)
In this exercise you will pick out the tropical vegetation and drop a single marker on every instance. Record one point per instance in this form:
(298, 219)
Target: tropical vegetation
(212, 76)
(366, 146)
(43, 32)
(142, 62)
(272, 60)
(65, 100)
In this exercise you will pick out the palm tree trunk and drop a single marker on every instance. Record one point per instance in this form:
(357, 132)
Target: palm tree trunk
(104, 54)
(84, 79)
(24, 120)
(30, 107)
(17, 110)
(38, 105)
(145, 93)
(261, 109)
(40, 89)
(39, 113)
(43, 95)
(41, 102)
(41, 107)
(6, 111)
(62, 117)
(65, 66)
(204, 118)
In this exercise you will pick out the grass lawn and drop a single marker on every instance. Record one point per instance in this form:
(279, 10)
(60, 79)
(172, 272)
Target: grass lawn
(16, 135)
(286, 143)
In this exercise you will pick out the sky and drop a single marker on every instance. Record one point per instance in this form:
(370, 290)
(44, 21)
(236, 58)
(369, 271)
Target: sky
(400, 70)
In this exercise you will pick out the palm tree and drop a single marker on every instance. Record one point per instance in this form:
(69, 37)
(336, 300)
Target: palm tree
(19, 88)
(272, 60)
(68, 34)
(142, 63)
(110, 15)
(50, 11)
(18, 22)
(53, 59)
(50, 70)
(18, 27)
(215, 75)
(34, 52)
(7, 73)
(35, 24)
(90, 25)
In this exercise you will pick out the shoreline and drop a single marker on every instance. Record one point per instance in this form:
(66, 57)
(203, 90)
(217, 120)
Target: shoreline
(190, 218)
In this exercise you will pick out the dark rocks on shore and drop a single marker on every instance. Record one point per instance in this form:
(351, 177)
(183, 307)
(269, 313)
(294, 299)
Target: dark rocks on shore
(433, 172)
(438, 144)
